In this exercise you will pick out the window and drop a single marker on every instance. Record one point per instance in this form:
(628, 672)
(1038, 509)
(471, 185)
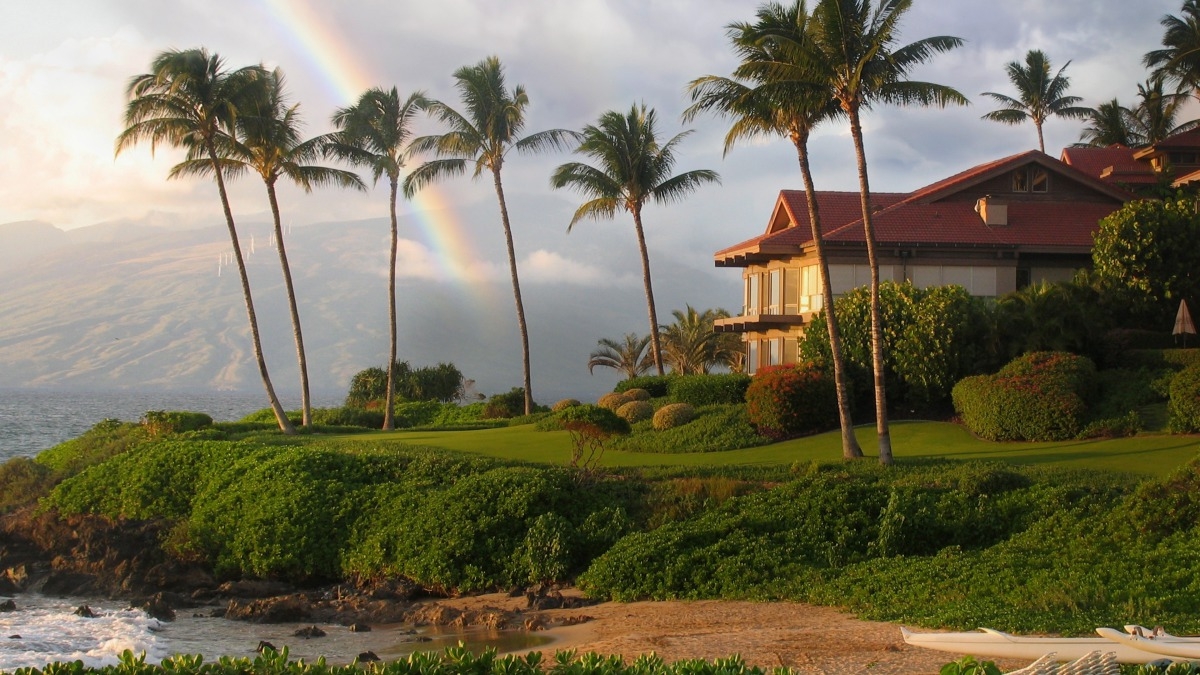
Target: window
(1020, 181)
(752, 294)
(791, 281)
(810, 289)
(790, 350)
(1040, 179)
(775, 292)
(775, 352)
(751, 356)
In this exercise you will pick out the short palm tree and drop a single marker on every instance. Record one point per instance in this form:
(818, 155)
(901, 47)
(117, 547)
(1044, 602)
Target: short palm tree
(690, 346)
(628, 357)
(491, 126)
(1040, 96)
(376, 133)
(764, 100)
(268, 143)
(1179, 60)
(853, 52)
(1110, 124)
(189, 100)
(634, 167)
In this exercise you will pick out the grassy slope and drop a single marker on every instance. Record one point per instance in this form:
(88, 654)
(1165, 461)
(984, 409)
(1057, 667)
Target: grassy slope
(1148, 454)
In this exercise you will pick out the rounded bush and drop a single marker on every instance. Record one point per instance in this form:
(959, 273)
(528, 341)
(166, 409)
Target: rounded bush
(613, 401)
(1041, 396)
(636, 411)
(564, 404)
(673, 415)
(637, 394)
(789, 401)
(1183, 409)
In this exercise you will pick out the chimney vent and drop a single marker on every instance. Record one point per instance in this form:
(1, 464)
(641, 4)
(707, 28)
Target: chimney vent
(991, 211)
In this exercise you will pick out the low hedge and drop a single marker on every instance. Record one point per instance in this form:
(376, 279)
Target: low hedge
(1041, 396)
(657, 385)
(1183, 408)
(709, 389)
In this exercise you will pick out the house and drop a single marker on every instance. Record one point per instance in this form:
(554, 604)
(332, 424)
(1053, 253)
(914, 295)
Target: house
(992, 229)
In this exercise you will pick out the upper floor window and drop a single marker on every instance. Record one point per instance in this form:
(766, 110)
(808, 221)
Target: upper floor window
(1020, 181)
(1031, 179)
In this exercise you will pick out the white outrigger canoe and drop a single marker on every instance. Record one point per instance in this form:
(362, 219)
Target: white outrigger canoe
(1165, 645)
(1000, 645)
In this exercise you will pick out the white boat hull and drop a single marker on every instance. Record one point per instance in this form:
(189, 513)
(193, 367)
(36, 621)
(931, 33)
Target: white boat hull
(1000, 645)
(1165, 646)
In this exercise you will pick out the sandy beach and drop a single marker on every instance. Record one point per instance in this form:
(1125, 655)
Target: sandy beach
(806, 638)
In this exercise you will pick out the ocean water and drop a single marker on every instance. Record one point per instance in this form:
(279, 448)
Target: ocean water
(32, 420)
(43, 630)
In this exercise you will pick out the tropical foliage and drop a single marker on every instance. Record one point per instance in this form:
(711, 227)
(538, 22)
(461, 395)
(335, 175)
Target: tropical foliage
(628, 357)
(634, 167)
(1040, 95)
(691, 347)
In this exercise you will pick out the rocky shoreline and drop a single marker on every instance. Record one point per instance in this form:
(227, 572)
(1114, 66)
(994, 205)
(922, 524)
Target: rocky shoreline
(95, 556)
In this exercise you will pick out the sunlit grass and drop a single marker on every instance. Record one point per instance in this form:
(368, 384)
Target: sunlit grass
(1148, 454)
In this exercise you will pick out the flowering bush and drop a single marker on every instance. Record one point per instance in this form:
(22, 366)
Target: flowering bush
(788, 401)
(1041, 396)
(673, 415)
(636, 411)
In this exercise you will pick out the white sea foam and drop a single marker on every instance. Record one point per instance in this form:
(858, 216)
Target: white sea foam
(49, 631)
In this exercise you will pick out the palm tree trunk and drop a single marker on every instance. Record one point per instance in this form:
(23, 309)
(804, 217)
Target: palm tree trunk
(881, 413)
(1041, 141)
(389, 399)
(305, 401)
(850, 447)
(654, 342)
(512, 267)
(285, 425)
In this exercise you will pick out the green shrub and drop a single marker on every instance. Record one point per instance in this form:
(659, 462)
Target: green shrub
(613, 400)
(564, 404)
(637, 394)
(348, 416)
(1041, 396)
(1155, 359)
(106, 439)
(22, 482)
(1183, 409)
(788, 401)
(590, 427)
(709, 389)
(507, 405)
(1121, 426)
(673, 415)
(162, 423)
(420, 413)
(636, 411)
(657, 385)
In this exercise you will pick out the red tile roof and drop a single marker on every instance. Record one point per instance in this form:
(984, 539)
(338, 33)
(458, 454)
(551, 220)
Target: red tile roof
(1114, 164)
(1185, 139)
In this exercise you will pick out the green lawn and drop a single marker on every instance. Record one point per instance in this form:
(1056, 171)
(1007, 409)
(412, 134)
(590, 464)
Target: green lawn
(1149, 454)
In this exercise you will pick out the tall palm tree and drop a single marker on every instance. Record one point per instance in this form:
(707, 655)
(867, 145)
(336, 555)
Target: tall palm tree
(853, 53)
(268, 143)
(1111, 124)
(1155, 116)
(628, 357)
(376, 133)
(1179, 59)
(1039, 96)
(189, 100)
(764, 103)
(634, 167)
(483, 136)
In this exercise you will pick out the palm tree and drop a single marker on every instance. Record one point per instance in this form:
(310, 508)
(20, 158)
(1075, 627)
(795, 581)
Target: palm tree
(483, 136)
(853, 53)
(1039, 96)
(628, 357)
(764, 104)
(690, 346)
(375, 133)
(1154, 117)
(1179, 59)
(1110, 124)
(268, 144)
(634, 167)
(189, 100)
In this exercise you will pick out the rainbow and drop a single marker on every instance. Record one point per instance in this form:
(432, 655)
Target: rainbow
(337, 62)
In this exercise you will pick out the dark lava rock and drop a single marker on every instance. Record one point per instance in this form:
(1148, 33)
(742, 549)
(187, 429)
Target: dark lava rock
(85, 611)
(359, 628)
(310, 632)
(8, 606)
(63, 583)
(285, 609)
(254, 589)
(264, 646)
(156, 606)
(14, 637)
(367, 657)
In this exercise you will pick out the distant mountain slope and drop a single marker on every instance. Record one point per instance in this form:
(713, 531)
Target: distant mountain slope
(145, 307)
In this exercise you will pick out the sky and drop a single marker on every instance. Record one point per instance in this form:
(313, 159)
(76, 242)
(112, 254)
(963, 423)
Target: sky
(64, 66)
